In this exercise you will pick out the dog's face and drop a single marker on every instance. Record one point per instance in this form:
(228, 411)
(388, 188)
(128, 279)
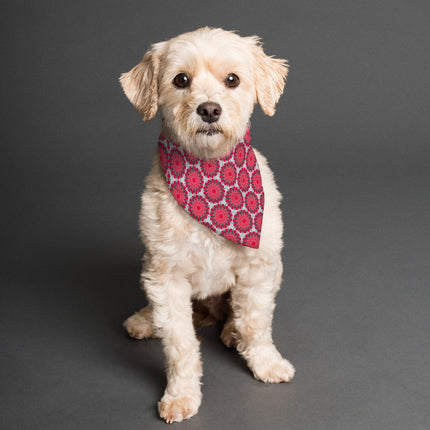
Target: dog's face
(206, 84)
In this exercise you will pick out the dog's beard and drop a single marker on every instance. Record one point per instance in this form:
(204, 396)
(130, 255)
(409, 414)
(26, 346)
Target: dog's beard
(204, 140)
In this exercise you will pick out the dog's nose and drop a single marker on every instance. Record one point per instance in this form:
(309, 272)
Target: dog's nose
(209, 111)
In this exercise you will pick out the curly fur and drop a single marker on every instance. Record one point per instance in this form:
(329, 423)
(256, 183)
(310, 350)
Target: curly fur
(186, 266)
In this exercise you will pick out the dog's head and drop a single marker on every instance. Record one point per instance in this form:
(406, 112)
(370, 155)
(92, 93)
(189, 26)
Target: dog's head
(206, 84)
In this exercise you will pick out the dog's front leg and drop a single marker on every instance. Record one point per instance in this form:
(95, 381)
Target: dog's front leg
(253, 303)
(170, 297)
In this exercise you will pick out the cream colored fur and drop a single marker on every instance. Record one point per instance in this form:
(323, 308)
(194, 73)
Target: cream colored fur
(185, 261)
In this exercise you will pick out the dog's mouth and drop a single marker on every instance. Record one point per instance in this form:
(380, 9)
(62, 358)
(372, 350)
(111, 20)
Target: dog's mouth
(210, 131)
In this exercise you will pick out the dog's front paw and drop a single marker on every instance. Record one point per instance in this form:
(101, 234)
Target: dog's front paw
(274, 370)
(176, 409)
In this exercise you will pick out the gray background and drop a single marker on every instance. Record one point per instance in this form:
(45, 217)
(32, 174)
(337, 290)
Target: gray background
(349, 146)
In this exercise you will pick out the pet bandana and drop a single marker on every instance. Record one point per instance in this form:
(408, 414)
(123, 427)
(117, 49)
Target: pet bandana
(225, 195)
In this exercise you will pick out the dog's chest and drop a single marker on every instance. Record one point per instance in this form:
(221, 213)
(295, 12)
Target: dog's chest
(214, 273)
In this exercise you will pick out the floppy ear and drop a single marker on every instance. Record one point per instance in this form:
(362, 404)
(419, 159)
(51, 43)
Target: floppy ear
(270, 76)
(140, 84)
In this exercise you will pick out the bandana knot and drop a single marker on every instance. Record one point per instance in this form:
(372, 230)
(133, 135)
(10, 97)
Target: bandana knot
(225, 195)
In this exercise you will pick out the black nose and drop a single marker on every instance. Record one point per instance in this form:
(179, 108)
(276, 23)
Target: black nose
(209, 111)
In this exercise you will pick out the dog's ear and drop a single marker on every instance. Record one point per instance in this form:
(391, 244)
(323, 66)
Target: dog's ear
(140, 84)
(270, 76)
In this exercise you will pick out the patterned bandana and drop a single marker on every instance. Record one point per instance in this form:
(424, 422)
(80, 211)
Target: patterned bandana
(226, 194)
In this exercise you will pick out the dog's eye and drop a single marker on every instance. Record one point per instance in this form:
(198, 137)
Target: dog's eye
(181, 80)
(232, 80)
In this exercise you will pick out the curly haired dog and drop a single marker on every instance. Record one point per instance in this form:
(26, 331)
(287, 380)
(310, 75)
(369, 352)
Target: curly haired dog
(206, 84)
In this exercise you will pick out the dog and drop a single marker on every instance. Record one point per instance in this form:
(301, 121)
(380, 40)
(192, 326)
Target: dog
(205, 84)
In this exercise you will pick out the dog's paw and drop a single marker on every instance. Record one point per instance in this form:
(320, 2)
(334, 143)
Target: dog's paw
(228, 335)
(177, 409)
(139, 325)
(274, 371)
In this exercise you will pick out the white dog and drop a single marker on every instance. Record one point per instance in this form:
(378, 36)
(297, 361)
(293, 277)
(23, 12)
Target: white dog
(209, 249)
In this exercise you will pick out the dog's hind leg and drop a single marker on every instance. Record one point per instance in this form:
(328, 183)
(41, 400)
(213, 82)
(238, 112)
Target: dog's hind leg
(205, 312)
(229, 333)
(139, 325)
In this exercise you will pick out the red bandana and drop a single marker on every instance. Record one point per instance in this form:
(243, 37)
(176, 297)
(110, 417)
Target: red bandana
(226, 194)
